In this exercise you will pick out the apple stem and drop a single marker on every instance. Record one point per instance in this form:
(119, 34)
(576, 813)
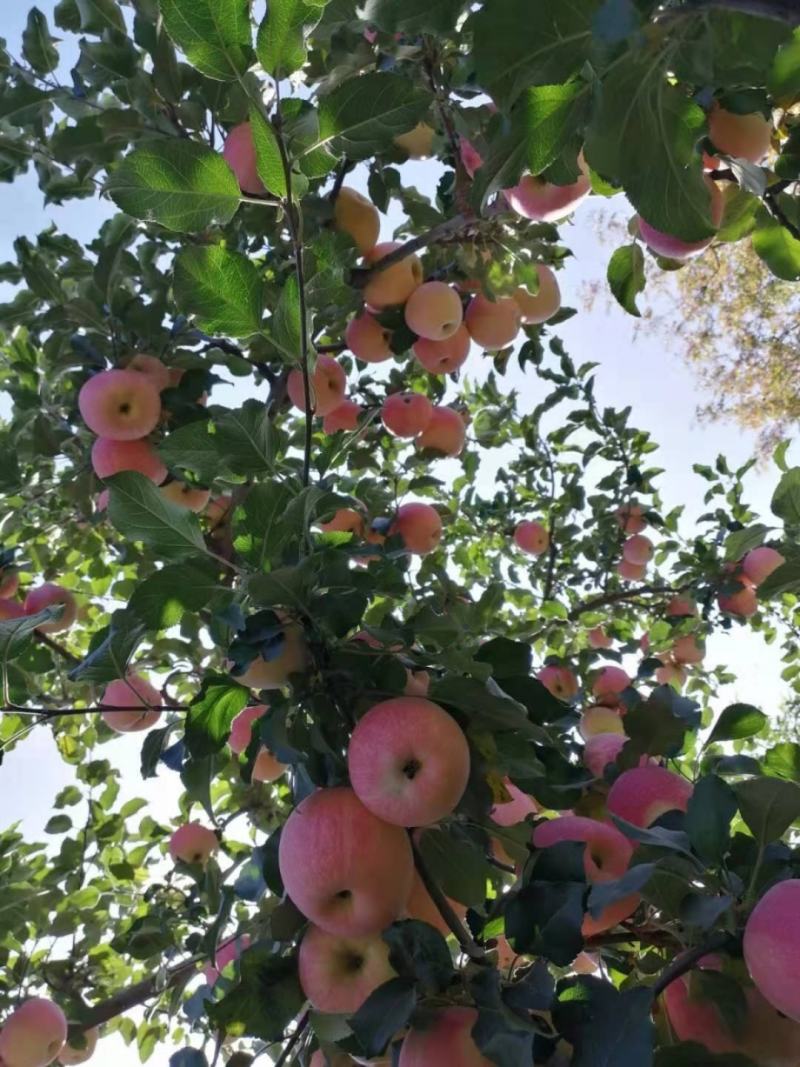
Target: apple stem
(468, 945)
(686, 962)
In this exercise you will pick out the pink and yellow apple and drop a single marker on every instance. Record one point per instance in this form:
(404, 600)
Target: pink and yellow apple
(327, 385)
(608, 683)
(344, 417)
(354, 215)
(123, 405)
(680, 607)
(109, 457)
(151, 367)
(367, 339)
(131, 693)
(239, 152)
(638, 550)
(9, 583)
(493, 324)
(188, 497)
(665, 244)
(602, 749)
(471, 159)
(531, 537)
(47, 596)
(434, 311)
(516, 809)
(746, 136)
(630, 518)
(631, 572)
(417, 143)
(559, 680)
(644, 794)
(72, 1054)
(444, 357)
(338, 973)
(395, 284)
(265, 768)
(417, 683)
(671, 672)
(347, 870)
(743, 601)
(687, 649)
(597, 638)
(420, 527)
(544, 303)
(33, 1034)
(772, 944)
(292, 658)
(193, 843)
(447, 1039)
(759, 563)
(601, 719)
(541, 201)
(408, 761)
(345, 520)
(406, 414)
(445, 433)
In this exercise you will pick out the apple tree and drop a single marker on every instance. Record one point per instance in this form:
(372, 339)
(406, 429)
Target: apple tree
(302, 488)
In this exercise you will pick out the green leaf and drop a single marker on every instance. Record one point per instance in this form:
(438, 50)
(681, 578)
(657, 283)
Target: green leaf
(281, 38)
(139, 511)
(784, 579)
(260, 529)
(773, 243)
(214, 34)
(23, 104)
(98, 16)
(457, 865)
(783, 760)
(222, 290)
(37, 44)
(248, 439)
(286, 321)
(603, 1024)
(737, 722)
(108, 658)
(413, 16)
(727, 49)
(386, 1011)
(183, 185)
(769, 806)
(15, 634)
(712, 806)
(269, 162)
(517, 44)
(58, 824)
(545, 918)
(784, 78)
(739, 543)
(364, 113)
(786, 498)
(657, 726)
(644, 137)
(265, 999)
(208, 721)
(626, 276)
(506, 657)
(162, 599)
(419, 952)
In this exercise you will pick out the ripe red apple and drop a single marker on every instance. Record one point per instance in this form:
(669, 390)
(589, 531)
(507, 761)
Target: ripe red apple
(771, 946)
(544, 303)
(406, 414)
(542, 201)
(239, 152)
(532, 537)
(602, 749)
(513, 811)
(131, 692)
(343, 417)
(189, 497)
(327, 386)
(345, 869)
(681, 606)
(445, 1042)
(408, 761)
(630, 518)
(47, 596)
(434, 311)
(644, 794)
(353, 214)
(71, 1054)
(420, 527)
(193, 843)
(151, 367)
(10, 609)
(121, 404)
(109, 457)
(638, 550)
(742, 602)
(445, 432)
(493, 323)
(345, 520)
(367, 339)
(598, 638)
(632, 572)
(759, 563)
(560, 681)
(608, 683)
(33, 1034)
(444, 357)
(686, 649)
(743, 136)
(338, 973)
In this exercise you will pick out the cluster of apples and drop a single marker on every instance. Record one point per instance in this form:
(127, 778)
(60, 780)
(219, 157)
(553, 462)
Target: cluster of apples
(637, 551)
(123, 407)
(419, 525)
(739, 593)
(747, 137)
(47, 595)
(35, 1034)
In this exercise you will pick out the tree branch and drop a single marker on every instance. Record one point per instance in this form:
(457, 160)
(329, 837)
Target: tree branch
(52, 713)
(686, 962)
(298, 1033)
(468, 945)
(622, 595)
(137, 994)
(55, 646)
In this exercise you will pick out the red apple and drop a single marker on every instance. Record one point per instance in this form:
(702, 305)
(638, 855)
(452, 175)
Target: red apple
(338, 973)
(33, 1034)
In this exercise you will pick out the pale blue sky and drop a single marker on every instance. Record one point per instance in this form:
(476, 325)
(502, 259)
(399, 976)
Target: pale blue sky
(639, 373)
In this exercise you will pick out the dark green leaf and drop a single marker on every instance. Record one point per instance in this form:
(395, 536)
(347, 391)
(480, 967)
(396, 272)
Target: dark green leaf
(269, 162)
(769, 806)
(108, 658)
(413, 16)
(786, 498)
(214, 34)
(162, 599)
(626, 276)
(738, 543)
(506, 657)
(737, 722)
(386, 1010)
(58, 824)
(222, 290)
(139, 511)
(773, 243)
(784, 579)
(711, 809)
(457, 865)
(545, 919)
(419, 952)
(208, 721)
(364, 113)
(265, 999)
(281, 39)
(605, 1025)
(286, 321)
(37, 44)
(690, 1054)
(182, 185)
(16, 634)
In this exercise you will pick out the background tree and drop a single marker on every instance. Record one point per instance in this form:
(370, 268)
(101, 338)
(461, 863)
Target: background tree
(374, 615)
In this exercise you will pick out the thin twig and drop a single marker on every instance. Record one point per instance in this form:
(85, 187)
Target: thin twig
(685, 962)
(52, 713)
(55, 646)
(462, 935)
(620, 596)
(298, 1033)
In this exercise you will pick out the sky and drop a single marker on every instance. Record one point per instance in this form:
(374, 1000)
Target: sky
(640, 372)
